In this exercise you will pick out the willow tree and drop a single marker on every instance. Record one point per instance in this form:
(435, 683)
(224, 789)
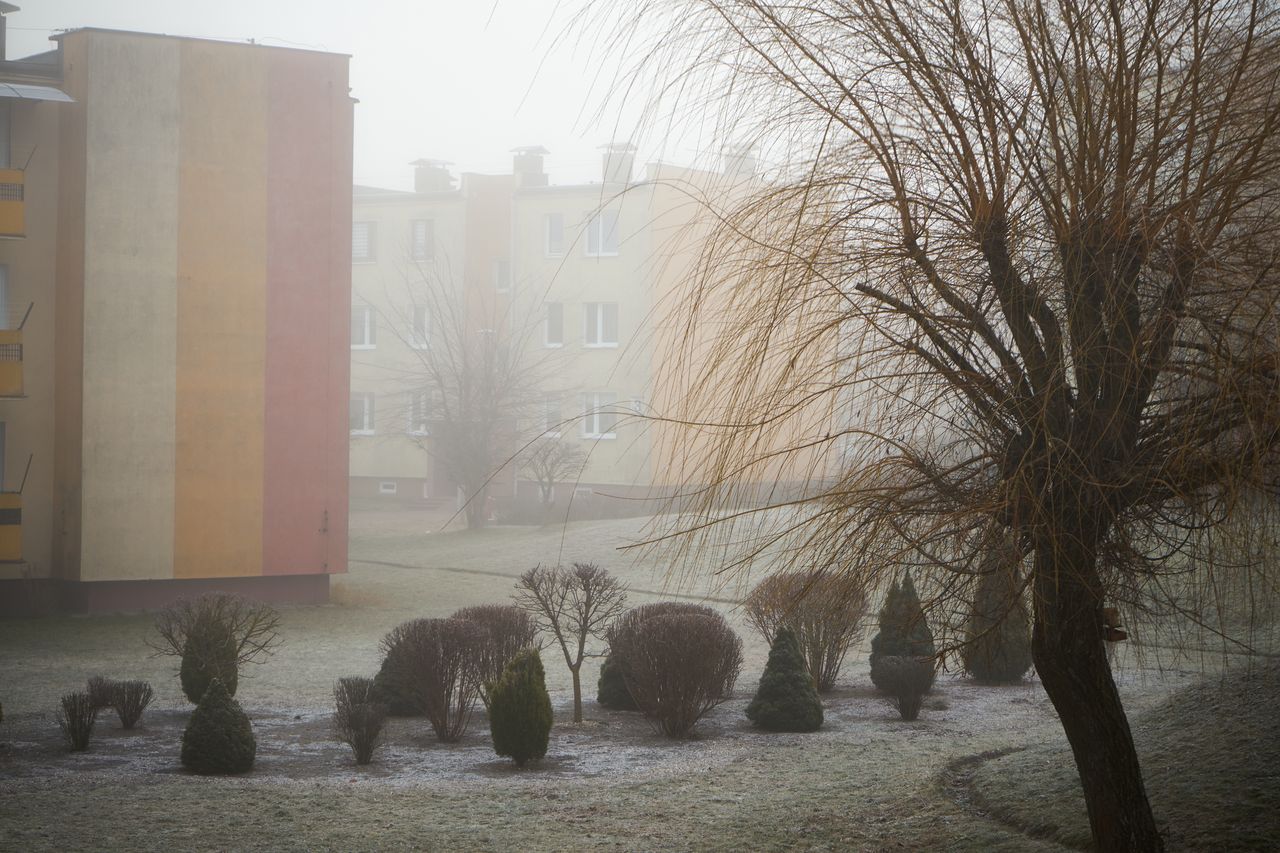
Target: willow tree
(1026, 252)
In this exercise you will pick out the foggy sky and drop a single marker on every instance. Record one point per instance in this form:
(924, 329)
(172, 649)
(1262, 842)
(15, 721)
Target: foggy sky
(457, 80)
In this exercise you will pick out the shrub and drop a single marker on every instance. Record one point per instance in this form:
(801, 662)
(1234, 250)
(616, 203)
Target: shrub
(214, 635)
(906, 680)
(520, 709)
(508, 631)
(358, 718)
(130, 699)
(611, 689)
(76, 716)
(825, 611)
(100, 691)
(396, 685)
(997, 647)
(678, 666)
(904, 631)
(787, 699)
(432, 664)
(219, 738)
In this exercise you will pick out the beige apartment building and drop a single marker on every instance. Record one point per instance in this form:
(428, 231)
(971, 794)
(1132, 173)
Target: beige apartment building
(580, 274)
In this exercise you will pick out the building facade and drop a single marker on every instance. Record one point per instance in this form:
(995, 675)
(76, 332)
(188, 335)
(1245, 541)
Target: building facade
(184, 275)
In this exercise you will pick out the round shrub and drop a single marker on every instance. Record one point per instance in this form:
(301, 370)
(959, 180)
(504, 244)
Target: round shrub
(904, 631)
(906, 680)
(678, 666)
(209, 655)
(997, 647)
(219, 738)
(787, 699)
(520, 709)
(395, 685)
(611, 689)
(430, 668)
(508, 630)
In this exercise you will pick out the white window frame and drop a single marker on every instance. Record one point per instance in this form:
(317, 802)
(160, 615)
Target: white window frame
(502, 275)
(598, 228)
(370, 241)
(370, 325)
(367, 401)
(419, 420)
(388, 487)
(552, 416)
(550, 249)
(419, 327)
(546, 325)
(595, 407)
(426, 249)
(596, 313)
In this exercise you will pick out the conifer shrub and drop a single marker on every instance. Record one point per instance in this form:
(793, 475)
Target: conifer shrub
(787, 698)
(824, 609)
(906, 680)
(396, 685)
(678, 666)
(904, 631)
(76, 715)
(520, 709)
(508, 630)
(358, 717)
(100, 691)
(611, 688)
(209, 655)
(997, 647)
(130, 699)
(219, 738)
(214, 635)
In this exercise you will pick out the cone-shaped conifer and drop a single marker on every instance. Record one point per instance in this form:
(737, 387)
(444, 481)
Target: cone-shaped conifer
(904, 632)
(210, 653)
(219, 738)
(787, 699)
(997, 646)
(520, 709)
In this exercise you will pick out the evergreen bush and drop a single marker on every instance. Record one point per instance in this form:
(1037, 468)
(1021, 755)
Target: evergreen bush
(997, 647)
(906, 680)
(358, 717)
(520, 709)
(76, 716)
(904, 631)
(395, 685)
(787, 698)
(611, 689)
(130, 699)
(219, 738)
(209, 654)
(214, 634)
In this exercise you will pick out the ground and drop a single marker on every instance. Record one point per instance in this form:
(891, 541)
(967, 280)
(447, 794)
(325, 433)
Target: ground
(865, 781)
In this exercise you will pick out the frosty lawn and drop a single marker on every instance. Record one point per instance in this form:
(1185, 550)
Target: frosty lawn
(866, 780)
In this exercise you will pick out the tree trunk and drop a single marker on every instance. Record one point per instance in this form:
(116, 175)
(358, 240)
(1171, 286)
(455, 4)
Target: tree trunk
(1070, 657)
(577, 693)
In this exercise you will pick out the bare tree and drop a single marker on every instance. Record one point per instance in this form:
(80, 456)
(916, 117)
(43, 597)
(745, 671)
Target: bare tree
(252, 625)
(550, 461)
(1029, 250)
(573, 605)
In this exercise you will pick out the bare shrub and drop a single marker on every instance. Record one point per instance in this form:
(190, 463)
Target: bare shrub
(76, 716)
(130, 699)
(434, 661)
(571, 605)
(358, 718)
(100, 691)
(907, 679)
(508, 630)
(678, 666)
(215, 634)
(823, 609)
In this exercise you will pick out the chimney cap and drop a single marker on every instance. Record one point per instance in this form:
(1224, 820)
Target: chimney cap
(529, 149)
(6, 8)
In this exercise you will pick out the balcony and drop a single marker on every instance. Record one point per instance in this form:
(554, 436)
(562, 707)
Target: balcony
(11, 521)
(11, 380)
(13, 211)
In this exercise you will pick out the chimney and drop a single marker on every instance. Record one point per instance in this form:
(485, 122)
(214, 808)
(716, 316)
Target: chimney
(526, 165)
(740, 161)
(619, 159)
(431, 176)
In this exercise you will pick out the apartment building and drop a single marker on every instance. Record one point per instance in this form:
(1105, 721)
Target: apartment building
(175, 281)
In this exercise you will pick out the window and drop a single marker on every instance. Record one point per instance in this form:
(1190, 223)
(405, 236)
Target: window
(553, 325)
(420, 413)
(362, 413)
(551, 416)
(502, 275)
(553, 230)
(600, 324)
(598, 415)
(363, 327)
(422, 239)
(419, 335)
(387, 487)
(602, 233)
(364, 240)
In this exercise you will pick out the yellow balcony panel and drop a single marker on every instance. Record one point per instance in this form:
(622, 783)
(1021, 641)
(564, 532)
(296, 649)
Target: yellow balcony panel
(11, 363)
(13, 212)
(10, 527)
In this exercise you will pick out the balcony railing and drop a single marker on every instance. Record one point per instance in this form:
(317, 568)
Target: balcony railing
(13, 204)
(11, 521)
(11, 374)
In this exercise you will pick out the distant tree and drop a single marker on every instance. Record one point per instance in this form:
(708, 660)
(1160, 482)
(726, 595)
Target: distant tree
(550, 461)
(572, 605)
